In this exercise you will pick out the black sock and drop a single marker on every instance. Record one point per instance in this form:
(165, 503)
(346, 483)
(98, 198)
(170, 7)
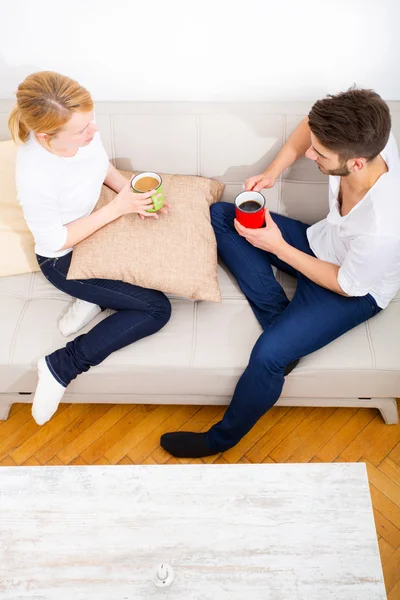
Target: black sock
(289, 368)
(185, 444)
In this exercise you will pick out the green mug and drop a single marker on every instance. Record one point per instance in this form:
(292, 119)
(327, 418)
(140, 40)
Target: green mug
(144, 182)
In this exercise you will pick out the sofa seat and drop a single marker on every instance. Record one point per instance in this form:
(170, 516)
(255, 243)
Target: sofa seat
(198, 357)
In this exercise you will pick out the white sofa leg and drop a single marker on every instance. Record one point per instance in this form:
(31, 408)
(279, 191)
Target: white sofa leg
(5, 405)
(388, 409)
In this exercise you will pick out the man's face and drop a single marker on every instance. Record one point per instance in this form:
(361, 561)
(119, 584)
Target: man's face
(328, 162)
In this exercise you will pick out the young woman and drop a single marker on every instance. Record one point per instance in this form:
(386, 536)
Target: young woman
(61, 166)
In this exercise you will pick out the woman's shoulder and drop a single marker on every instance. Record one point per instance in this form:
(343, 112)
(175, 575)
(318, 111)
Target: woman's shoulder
(32, 166)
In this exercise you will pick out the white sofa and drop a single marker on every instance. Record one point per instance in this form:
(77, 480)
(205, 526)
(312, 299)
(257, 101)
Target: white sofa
(198, 357)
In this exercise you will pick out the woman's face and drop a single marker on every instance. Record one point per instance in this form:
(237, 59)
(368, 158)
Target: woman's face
(76, 133)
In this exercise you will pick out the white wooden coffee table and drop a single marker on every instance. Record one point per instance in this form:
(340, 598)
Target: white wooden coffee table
(234, 532)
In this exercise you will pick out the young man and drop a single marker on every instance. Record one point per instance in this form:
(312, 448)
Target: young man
(347, 266)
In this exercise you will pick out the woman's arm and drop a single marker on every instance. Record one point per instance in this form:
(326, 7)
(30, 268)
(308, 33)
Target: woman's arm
(125, 202)
(114, 179)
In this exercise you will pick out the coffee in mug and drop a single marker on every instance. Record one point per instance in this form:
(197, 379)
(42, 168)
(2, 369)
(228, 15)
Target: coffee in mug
(145, 182)
(250, 209)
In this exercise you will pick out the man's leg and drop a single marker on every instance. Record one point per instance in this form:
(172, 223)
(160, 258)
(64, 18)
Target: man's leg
(314, 318)
(251, 266)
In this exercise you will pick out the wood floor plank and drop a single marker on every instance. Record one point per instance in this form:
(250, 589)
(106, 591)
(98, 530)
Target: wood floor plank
(31, 462)
(220, 461)
(136, 434)
(88, 417)
(86, 438)
(322, 435)
(125, 461)
(386, 529)
(109, 438)
(385, 506)
(385, 485)
(265, 424)
(55, 461)
(364, 440)
(18, 437)
(385, 550)
(394, 455)
(383, 444)
(391, 470)
(299, 436)
(47, 432)
(7, 461)
(149, 444)
(100, 461)
(149, 460)
(269, 460)
(78, 461)
(346, 435)
(392, 571)
(15, 421)
(394, 593)
(277, 433)
(15, 408)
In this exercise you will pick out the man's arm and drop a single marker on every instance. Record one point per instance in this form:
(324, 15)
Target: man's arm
(270, 239)
(296, 146)
(298, 142)
(114, 179)
(319, 271)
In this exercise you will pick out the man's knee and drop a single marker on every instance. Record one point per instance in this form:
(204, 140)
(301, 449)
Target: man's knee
(271, 356)
(272, 360)
(222, 216)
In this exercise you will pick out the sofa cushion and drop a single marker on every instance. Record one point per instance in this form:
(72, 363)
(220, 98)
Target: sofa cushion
(201, 352)
(175, 254)
(17, 254)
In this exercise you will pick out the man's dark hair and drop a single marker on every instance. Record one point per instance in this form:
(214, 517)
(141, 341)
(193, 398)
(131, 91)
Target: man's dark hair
(353, 124)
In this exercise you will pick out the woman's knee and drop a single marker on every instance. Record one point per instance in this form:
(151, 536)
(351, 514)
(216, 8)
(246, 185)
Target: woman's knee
(160, 307)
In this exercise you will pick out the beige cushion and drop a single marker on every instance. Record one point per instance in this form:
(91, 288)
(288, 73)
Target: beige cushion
(176, 254)
(17, 254)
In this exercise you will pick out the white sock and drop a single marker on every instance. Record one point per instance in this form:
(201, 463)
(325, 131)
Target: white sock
(48, 394)
(79, 315)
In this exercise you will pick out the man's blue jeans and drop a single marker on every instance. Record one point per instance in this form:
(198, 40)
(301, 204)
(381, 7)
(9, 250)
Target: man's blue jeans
(140, 312)
(314, 317)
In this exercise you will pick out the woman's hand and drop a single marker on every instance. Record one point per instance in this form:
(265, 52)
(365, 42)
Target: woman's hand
(127, 202)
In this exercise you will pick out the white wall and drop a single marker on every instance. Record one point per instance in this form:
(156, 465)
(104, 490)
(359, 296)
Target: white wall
(155, 50)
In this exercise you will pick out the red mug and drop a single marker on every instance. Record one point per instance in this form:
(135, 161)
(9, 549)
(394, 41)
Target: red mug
(250, 209)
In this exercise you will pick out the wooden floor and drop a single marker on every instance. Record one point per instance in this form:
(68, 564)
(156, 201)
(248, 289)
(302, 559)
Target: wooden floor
(129, 434)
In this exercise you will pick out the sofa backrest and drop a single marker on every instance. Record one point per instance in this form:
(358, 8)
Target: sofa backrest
(229, 142)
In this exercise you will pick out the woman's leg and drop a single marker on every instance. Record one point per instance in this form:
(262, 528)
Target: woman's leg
(140, 313)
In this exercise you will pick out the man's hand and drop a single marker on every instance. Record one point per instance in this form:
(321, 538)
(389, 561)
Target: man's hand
(267, 238)
(259, 182)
